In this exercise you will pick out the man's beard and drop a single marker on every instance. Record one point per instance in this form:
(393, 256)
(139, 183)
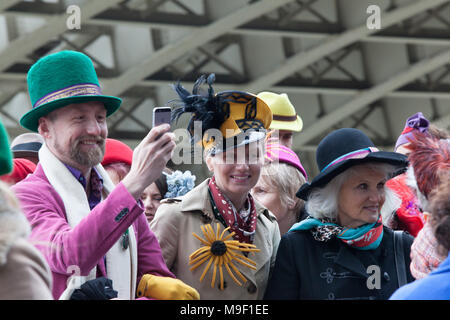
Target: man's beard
(86, 158)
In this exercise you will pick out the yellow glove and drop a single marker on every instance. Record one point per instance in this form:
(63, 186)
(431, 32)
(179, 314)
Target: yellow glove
(165, 288)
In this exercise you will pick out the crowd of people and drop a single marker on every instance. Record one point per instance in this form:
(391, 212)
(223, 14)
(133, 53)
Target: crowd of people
(85, 217)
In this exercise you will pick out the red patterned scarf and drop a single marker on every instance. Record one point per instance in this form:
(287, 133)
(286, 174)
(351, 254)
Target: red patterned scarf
(228, 215)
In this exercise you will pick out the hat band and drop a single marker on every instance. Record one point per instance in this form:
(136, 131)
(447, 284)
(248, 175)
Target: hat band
(284, 118)
(233, 142)
(357, 154)
(84, 89)
(29, 146)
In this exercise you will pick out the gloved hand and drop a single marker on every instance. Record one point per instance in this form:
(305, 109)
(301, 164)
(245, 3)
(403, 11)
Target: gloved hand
(96, 289)
(165, 288)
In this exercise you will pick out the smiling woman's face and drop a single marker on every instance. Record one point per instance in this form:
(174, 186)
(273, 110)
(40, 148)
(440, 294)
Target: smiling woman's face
(237, 170)
(361, 196)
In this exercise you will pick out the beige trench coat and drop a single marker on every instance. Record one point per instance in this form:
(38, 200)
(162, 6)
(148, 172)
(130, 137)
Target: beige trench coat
(25, 275)
(176, 220)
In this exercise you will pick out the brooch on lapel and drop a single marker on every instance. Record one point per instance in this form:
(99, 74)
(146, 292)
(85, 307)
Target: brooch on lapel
(221, 252)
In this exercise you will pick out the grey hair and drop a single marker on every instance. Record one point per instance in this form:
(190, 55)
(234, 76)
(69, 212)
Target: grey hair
(323, 202)
(286, 179)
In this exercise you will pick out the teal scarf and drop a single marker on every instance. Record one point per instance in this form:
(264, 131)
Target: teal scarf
(365, 237)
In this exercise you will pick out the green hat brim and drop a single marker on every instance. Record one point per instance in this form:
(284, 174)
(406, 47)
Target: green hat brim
(30, 120)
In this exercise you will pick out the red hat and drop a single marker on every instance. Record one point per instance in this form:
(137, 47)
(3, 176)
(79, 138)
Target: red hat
(21, 169)
(117, 151)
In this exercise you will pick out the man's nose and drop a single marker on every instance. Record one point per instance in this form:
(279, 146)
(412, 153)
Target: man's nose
(93, 127)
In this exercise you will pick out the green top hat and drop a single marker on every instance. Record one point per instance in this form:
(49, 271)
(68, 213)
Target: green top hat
(6, 164)
(60, 79)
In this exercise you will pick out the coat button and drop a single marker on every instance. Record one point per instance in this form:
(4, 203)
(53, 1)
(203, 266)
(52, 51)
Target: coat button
(386, 276)
(121, 214)
(251, 288)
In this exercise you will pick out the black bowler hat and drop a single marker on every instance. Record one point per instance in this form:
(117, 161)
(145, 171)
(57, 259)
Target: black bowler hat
(342, 149)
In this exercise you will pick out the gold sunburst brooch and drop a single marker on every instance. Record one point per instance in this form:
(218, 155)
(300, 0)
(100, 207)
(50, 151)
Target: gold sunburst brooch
(221, 251)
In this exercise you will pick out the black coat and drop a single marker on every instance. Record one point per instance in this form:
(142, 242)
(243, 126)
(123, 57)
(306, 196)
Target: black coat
(309, 269)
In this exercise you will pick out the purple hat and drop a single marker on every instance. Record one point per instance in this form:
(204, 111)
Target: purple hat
(415, 122)
(276, 151)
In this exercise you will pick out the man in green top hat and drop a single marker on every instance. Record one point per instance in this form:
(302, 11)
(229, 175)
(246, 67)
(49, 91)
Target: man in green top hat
(285, 121)
(97, 228)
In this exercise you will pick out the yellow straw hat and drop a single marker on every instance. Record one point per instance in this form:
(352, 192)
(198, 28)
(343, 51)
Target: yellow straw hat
(284, 115)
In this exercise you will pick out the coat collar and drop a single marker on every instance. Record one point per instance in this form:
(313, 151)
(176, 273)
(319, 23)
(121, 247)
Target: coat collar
(198, 200)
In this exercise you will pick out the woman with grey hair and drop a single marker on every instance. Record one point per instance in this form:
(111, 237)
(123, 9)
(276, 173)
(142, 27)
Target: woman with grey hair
(281, 176)
(343, 250)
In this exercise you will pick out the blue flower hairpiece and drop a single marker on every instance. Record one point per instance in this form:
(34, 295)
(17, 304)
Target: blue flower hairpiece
(179, 183)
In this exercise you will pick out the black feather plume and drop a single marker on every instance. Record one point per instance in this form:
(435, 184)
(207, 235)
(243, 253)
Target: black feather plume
(204, 105)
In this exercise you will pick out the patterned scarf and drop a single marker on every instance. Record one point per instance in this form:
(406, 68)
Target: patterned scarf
(243, 226)
(365, 237)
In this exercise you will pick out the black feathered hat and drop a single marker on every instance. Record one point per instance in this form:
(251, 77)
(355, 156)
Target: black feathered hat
(229, 119)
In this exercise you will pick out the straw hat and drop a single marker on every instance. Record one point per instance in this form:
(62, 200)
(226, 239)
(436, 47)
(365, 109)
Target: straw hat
(284, 115)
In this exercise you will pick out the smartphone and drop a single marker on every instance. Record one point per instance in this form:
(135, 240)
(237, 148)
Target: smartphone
(161, 115)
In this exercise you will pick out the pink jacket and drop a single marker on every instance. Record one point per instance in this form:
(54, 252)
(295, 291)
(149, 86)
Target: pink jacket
(85, 245)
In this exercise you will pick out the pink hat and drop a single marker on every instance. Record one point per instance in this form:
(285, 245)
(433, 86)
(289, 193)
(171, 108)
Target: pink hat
(276, 151)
